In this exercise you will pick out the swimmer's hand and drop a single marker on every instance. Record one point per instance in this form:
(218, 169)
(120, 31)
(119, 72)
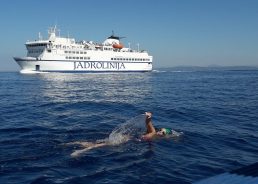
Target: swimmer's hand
(148, 115)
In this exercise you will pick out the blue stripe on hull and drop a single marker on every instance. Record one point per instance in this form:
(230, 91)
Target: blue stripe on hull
(81, 71)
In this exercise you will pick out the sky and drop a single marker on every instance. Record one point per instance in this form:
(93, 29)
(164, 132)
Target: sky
(174, 32)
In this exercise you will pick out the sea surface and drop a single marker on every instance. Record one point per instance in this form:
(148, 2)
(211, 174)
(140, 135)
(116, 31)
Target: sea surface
(216, 109)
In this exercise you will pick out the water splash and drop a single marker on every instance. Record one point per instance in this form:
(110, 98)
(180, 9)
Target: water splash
(133, 128)
(176, 134)
(31, 72)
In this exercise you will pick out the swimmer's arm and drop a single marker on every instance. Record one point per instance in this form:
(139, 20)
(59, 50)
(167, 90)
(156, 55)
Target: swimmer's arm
(148, 136)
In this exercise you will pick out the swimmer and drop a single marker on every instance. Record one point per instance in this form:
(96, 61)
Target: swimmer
(149, 135)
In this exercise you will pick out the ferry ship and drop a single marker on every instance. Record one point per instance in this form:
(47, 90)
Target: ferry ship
(61, 54)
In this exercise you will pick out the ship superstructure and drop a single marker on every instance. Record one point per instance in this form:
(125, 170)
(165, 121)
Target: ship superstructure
(61, 54)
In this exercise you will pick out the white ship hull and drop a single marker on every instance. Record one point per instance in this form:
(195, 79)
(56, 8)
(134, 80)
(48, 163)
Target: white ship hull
(81, 66)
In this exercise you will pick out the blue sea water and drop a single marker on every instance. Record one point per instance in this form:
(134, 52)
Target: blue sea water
(217, 109)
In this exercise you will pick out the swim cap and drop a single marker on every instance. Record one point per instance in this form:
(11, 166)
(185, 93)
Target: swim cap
(167, 131)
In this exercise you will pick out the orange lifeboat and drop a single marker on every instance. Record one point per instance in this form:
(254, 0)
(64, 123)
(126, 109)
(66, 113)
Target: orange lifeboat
(118, 46)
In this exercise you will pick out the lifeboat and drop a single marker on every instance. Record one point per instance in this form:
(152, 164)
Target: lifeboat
(118, 46)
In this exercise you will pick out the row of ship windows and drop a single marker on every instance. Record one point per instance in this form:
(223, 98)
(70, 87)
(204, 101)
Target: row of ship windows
(35, 51)
(120, 59)
(37, 45)
(75, 52)
(130, 59)
(81, 58)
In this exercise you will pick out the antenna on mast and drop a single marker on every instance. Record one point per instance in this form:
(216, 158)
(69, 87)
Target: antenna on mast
(40, 37)
(58, 30)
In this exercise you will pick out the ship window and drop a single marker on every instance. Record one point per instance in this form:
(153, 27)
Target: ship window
(73, 52)
(73, 57)
(37, 67)
(77, 57)
(85, 52)
(81, 52)
(81, 57)
(77, 52)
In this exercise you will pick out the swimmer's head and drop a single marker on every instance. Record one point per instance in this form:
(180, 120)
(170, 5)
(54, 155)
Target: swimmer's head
(161, 132)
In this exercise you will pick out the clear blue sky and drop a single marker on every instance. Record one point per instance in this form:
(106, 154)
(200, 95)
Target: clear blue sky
(175, 32)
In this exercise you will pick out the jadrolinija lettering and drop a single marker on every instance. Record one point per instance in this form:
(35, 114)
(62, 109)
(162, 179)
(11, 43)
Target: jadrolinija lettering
(98, 65)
